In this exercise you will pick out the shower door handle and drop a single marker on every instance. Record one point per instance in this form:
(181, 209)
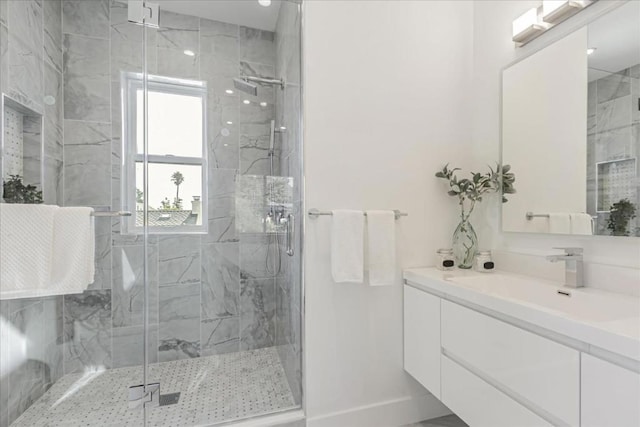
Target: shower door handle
(291, 229)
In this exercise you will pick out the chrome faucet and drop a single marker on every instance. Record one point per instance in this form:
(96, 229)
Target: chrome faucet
(574, 266)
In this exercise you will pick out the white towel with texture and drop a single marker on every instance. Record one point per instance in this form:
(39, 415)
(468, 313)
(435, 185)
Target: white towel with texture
(26, 240)
(581, 223)
(559, 223)
(73, 250)
(347, 246)
(381, 237)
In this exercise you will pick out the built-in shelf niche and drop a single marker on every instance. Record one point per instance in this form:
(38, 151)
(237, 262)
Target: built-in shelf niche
(615, 180)
(21, 148)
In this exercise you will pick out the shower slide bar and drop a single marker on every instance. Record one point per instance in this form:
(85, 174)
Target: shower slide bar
(110, 213)
(315, 213)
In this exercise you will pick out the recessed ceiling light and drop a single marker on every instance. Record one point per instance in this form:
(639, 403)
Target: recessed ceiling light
(246, 101)
(283, 128)
(263, 104)
(229, 91)
(265, 3)
(591, 50)
(189, 52)
(229, 122)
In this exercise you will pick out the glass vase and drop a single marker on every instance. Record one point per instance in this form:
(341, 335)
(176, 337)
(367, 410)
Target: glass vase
(465, 244)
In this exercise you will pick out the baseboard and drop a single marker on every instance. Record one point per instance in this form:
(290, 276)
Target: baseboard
(391, 413)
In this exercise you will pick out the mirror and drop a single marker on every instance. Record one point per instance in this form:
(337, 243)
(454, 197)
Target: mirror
(571, 131)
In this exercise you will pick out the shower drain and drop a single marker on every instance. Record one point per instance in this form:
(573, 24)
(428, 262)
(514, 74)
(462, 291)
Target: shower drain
(169, 399)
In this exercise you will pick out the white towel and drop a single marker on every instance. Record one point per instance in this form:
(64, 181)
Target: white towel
(26, 239)
(347, 246)
(581, 223)
(73, 250)
(381, 235)
(559, 223)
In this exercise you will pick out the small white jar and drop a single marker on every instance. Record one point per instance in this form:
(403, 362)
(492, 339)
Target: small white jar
(483, 262)
(445, 260)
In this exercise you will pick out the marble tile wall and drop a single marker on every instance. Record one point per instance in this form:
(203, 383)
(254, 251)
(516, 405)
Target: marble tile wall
(613, 135)
(288, 115)
(209, 294)
(31, 353)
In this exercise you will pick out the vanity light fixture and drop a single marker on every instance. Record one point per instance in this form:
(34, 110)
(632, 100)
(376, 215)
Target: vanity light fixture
(527, 27)
(536, 21)
(591, 50)
(264, 3)
(189, 52)
(556, 11)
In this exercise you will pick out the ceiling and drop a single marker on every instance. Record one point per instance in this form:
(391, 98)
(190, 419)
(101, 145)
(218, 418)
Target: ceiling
(241, 12)
(616, 36)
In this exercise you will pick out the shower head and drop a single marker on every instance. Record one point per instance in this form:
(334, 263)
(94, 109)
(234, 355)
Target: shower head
(245, 86)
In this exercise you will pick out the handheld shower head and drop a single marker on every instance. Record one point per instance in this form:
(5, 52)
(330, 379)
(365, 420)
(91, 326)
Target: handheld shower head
(245, 86)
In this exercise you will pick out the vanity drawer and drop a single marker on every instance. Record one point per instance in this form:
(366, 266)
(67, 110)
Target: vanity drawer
(543, 373)
(610, 394)
(422, 338)
(479, 404)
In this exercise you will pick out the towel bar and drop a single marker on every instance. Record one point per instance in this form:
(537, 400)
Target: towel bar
(315, 213)
(531, 215)
(111, 213)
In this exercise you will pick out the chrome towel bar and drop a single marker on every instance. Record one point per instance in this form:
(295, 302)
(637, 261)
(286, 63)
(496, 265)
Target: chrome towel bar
(315, 213)
(111, 213)
(531, 215)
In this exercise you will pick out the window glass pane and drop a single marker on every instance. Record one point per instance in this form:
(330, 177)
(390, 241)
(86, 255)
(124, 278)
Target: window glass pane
(175, 124)
(166, 183)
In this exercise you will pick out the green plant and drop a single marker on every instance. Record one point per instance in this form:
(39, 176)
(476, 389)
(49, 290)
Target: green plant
(14, 191)
(620, 213)
(471, 191)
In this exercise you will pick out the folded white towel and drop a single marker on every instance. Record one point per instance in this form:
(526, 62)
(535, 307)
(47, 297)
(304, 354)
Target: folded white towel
(581, 223)
(73, 250)
(381, 234)
(26, 239)
(559, 223)
(347, 246)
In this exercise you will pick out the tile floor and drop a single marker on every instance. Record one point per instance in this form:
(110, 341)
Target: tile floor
(213, 389)
(446, 421)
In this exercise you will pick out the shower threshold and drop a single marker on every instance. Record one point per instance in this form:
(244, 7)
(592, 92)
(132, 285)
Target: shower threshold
(213, 389)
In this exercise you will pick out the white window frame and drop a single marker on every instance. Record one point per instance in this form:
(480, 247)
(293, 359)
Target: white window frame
(130, 84)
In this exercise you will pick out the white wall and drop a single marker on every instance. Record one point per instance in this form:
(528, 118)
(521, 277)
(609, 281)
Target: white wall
(387, 102)
(493, 50)
(544, 132)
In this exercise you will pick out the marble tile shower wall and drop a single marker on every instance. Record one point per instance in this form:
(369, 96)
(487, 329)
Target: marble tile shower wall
(209, 294)
(30, 70)
(613, 136)
(288, 114)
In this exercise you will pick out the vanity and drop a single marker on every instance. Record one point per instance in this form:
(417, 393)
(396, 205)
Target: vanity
(502, 349)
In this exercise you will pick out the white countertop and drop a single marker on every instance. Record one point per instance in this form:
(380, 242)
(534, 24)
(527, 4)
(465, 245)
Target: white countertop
(598, 318)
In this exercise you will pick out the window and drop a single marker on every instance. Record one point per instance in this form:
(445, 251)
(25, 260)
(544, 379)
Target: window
(177, 163)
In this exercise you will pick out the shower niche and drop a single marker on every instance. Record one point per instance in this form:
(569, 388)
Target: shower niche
(20, 144)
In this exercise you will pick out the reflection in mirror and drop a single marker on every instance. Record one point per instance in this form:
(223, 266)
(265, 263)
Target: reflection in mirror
(578, 173)
(613, 140)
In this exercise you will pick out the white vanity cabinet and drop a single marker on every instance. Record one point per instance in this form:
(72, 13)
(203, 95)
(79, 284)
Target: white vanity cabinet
(610, 394)
(422, 338)
(495, 369)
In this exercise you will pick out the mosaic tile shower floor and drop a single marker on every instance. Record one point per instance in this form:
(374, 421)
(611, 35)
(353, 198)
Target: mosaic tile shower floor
(213, 389)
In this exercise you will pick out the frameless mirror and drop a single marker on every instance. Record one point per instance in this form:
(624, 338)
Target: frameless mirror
(571, 131)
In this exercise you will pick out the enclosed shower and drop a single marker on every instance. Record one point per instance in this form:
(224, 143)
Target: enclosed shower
(179, 124)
